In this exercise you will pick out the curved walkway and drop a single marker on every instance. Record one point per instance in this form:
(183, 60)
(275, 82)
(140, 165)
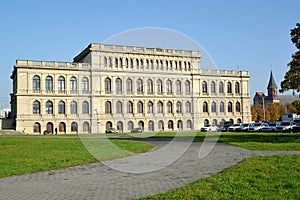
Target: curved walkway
(99, 181)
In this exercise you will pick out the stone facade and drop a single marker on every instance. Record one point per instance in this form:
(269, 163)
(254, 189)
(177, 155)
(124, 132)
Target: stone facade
(125, 87)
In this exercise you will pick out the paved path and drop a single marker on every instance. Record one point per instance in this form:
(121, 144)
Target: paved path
(98, 181)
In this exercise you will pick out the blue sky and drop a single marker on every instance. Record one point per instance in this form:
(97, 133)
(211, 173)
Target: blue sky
(246, 35)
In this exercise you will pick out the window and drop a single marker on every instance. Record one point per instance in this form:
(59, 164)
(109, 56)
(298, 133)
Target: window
(237, 88)
(107, 85)
(178, 87)
(169, 107)
(62, 127)
(213, 87)
(116, 62)
(118, 85)
(37, 127)
(221, 87)
(187, 87)
(189, 124)
(86, 127)
(139, 85)
(213, 107)
(61, 107)
(129, 85)
(229, 88)
(159, 86)
(222, 107)
(36, 107)
(170, 124)
(85, 107)
(49, 107)
(129, 107)
(130, 125)
(161, 125)
(73, 107)
(149, 86)
(108, 125)
(49, 83)
(179, 124)
(204, 87)
(188, 107)
(85, 84)
(119, 107)
(140, 107)
(159, 107)
(169, 86)
(205, 107)
(73, 84)
(36, 83)
(238, 107)
(178, 107)
(108, 107)
(151, 125)
(120, 126)
(74, 127)
(150, 107)
(61, 83)
(229, 107)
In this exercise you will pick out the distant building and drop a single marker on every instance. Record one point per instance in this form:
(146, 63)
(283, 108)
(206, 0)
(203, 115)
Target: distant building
(4, 112)
(273, 96)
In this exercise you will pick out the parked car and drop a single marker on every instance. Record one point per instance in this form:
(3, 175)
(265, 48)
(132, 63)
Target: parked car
(285, 126)
(225, 127)
(209, 127)
(296, 128)
(244, 127)
(273, 125)
(256, 127)
(234, 127)
(137, 130)
(111, 130)
(266, 128)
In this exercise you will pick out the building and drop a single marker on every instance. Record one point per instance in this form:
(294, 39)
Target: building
(126, 87)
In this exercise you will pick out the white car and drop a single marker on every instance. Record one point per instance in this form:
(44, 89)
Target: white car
(234, 127)
(285, 126)
(209, 127)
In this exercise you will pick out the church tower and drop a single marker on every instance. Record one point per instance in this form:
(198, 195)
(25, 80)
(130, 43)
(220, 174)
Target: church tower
(272, 87)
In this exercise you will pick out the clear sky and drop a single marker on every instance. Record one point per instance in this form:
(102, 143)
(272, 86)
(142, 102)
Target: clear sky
(251, 35)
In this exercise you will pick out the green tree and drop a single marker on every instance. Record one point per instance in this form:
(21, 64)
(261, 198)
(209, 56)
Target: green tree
(292, 76)
(296, 104)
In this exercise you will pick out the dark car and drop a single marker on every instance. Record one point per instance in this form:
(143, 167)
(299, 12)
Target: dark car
(225, 127)
(111, 130)
(137, 130)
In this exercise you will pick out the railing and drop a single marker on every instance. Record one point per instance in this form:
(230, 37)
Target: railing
(51, 64)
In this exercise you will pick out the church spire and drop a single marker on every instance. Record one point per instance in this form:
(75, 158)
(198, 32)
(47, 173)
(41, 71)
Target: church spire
(272, 87)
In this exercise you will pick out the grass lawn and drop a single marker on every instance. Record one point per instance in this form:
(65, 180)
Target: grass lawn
(28, 155)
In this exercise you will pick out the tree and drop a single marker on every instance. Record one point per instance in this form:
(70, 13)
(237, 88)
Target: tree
(292, 76)
(296, 104)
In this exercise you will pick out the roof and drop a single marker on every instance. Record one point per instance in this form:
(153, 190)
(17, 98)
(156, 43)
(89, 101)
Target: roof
(272, 83)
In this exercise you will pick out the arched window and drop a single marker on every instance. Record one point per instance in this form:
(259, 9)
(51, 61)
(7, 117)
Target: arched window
(105, 61)
(36, 107)
(73, 84)
(205, 107)
(169, 107)
(49, 83)
(204, 87)
(178, 107)
(151, 125)
(213, 87)
(169, 86)
(116, 62)
(85, 84)
(86, 127)
(140, 107)
(37, 127)
(61, 107)
(170, 124)
(126, 62)
(62, 127)
(178, 87)
(221, 87)
(189, 124)
(120, 126)
(229, 107)
(206, 121)
(73, 107)
(238, 107)
(61, 83)
(179, 124)
(159, 107)
(213, 107)
(150, 107)
(119, 107)
(239, 120)
(161, 125)
(188, 107)
(149, 86)
(129, 107)
(130, 125)
(107, 85)
(222, 107)
(85, 107)
(229, 87)
(118, 85)
(129, 85)
(137, 63)
(49, 107)
(36, 83)
(108, 125)
(187, 87)
(159, 86)
(141, 124)
(237, 88)
(108, 107)
(139, 86)
(74, 127)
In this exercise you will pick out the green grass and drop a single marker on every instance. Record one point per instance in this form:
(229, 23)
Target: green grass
(263, 177)
(28, 155)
